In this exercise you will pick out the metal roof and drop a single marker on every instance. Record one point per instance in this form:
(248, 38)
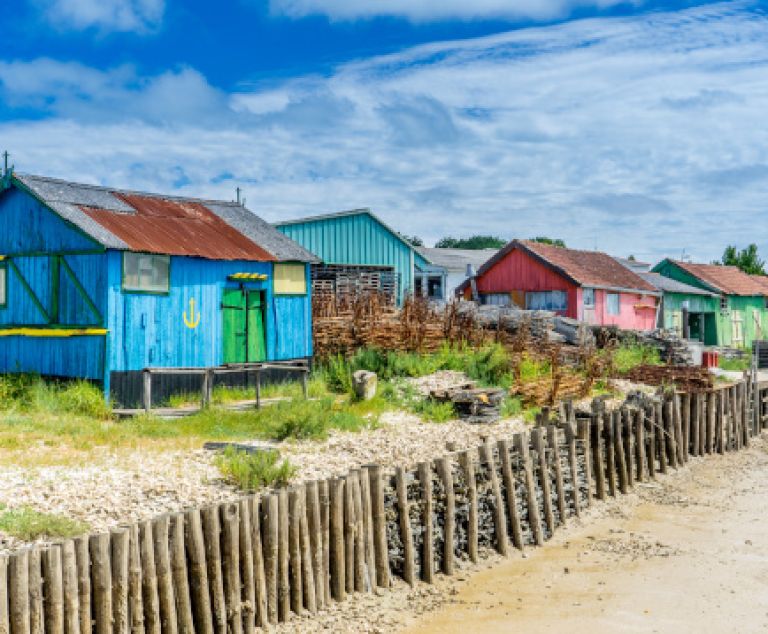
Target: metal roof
(457, 259)
(730, 280)
(353, 212)
(669, 285)
(159, 223)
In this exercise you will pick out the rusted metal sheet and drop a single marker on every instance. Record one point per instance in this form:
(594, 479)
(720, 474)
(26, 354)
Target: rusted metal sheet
(177, 227)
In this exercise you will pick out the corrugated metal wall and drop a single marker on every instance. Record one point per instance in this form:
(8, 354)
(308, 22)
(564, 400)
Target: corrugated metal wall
(149, 330)
(355, 239)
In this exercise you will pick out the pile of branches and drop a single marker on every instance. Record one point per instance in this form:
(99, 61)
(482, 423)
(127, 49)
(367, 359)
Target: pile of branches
(686, 378)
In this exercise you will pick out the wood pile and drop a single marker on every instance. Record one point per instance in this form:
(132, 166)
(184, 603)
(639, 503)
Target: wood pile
(472, 404)
(547, 390)
(687, 378)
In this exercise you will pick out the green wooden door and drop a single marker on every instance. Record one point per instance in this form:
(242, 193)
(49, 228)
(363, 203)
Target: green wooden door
(243, 317)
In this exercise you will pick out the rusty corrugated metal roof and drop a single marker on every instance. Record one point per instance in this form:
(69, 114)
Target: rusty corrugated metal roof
(730, 280)
(176, 227)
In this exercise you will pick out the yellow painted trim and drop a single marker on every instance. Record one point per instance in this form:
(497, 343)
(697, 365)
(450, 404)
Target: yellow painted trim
(51, 332)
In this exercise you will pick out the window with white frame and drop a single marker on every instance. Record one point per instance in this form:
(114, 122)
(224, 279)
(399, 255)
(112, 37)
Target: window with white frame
(496, 299)
(589, 298)
(146, 272)
(3, 284)
(556, 301)
(613, 303)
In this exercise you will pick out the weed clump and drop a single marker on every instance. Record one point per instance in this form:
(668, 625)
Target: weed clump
(27, 524)
(250, 472)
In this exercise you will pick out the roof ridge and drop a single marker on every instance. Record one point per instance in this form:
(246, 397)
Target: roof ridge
(132, 192)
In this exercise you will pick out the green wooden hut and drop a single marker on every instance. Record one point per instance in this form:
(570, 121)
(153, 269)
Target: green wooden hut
(688, 310)
(741, 315)
(360, 252)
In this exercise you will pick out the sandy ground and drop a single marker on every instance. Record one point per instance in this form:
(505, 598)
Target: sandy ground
(686, 553)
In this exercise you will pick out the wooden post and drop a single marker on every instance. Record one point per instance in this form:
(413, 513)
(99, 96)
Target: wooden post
(405, 524)
(160, 533)
(212, 536)
(304, 387)
(149, 593)
(711, 412)
(36, 614)
(337, 550)
(427, 554)
(101, 583)
(358, 532)
(573, 467)
(721, 411)
(628, 434)
(678, 430)
(18, 592)
(307, 570)
(521, 444)
(283, 568)
(270, 523)
(53, 595)
(258, 389)
(247, 572)
(370, 552)
(119, 546)
(325, 526)
(5, 618)
(583, 429)
(230, 564)
(349, 534)
(661, 437)
(207, 396)
(686, 413)
(314, 524)
(640, 444)
(553, 442)
(178, 555)
(294, 549)
(198, 572)
(617, 428)
(468, 466)
(695, 416)
(508, 477)
(669, 433)
(379, 525)
(610, 451)
(70, 589)
(259, 577)
(445, 473)
(499, 515)
(146, 376)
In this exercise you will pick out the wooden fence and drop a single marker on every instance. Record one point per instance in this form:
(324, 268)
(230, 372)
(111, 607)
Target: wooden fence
(240, 566)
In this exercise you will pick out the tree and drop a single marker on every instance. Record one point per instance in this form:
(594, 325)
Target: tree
(746, 259)
(473, 242)
(555, 242)
(414, 240)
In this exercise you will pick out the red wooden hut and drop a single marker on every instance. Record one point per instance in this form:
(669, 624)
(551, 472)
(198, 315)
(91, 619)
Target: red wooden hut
(585, 285)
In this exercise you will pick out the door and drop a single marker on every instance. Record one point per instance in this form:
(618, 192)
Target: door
(243, 318)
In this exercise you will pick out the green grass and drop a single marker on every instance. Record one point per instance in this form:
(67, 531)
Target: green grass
(224, 395)
(28, 524)
(735, 365)
(628, 356)
(30, 393)
(253, 471)
(433, 411)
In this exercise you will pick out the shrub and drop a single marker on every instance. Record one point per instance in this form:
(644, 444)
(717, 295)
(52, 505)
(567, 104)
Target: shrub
(434, 411)
(309, 420)
(83, 398)
(252, 471)
(27, 524)
(511, 406)
(626, 357)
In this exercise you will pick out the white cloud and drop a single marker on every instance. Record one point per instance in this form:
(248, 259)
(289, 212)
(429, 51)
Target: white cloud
(104, 15)
(427, 10)
(639, 135)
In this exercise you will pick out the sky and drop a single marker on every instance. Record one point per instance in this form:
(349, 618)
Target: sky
(633, 127)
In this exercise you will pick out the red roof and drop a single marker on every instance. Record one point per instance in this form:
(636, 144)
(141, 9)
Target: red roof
(585, 268)
(176, 227)
(730, 280)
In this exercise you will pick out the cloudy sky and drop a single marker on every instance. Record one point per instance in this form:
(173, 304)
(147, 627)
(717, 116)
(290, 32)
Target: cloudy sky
(634, 127)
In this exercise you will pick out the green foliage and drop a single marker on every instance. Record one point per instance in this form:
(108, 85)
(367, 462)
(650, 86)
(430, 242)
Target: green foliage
(253, 471)
(747, 259)
(628, 356)
(27, 524)
(433, 411)
(30, 393)
(735, 365)
(416, 241)
(337, 374)
(511, 407)
(555, 242)
(531, 369)
(473, 242)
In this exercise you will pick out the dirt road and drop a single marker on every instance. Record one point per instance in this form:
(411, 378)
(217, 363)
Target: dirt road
(686, 554)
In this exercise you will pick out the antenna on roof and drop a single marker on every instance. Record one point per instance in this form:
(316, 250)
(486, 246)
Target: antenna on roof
(237, 191)
(240, 197)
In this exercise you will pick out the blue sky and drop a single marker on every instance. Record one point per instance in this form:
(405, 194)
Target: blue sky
(634, 127)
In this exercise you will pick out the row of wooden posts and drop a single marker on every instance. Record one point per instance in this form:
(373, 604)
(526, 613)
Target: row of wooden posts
(239, 566)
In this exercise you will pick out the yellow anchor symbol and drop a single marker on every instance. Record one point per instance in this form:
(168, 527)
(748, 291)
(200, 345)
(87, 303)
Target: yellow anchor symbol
(193, 319)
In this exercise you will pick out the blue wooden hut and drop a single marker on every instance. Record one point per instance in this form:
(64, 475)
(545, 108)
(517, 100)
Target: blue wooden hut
(98, 283)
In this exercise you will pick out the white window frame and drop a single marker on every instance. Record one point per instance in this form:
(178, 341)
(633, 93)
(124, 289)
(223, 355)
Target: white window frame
(555, 301)
(588, 293)
(148, 276)
(608, 310)
(3, 284)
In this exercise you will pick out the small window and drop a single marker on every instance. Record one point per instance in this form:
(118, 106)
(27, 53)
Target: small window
(589, 298)
(613, 303)
(290, 278)
(723, 302)
(3, 284)
(556, 301)
(496, 299)
(146, 273)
